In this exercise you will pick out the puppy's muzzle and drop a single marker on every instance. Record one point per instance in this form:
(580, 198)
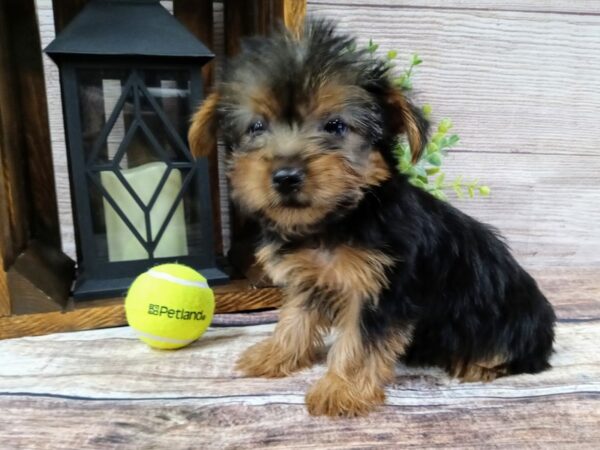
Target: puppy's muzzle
(288, 180)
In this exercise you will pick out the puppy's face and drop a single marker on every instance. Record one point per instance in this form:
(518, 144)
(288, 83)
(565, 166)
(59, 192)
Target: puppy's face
(308, 124)
(298, 156)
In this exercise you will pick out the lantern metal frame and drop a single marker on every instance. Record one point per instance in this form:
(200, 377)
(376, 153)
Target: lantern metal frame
(96, 276)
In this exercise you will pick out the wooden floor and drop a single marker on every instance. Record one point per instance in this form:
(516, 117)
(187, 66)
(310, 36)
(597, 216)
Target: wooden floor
(105, 389)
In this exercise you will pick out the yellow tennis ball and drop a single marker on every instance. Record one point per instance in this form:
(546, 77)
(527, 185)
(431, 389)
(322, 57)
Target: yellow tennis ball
(169, 306)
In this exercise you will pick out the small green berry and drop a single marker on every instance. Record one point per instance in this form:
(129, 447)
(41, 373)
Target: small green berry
(444, 126)
(426, 110)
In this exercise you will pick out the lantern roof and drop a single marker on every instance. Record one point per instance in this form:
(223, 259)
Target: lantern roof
(127, 28)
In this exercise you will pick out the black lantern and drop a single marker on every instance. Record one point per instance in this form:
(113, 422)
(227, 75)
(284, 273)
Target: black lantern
(130, 76)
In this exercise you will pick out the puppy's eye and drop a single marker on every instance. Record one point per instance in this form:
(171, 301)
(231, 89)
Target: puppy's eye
(336, 126)
(256, 127)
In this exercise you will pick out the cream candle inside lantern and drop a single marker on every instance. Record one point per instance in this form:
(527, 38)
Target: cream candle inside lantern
(122, 243)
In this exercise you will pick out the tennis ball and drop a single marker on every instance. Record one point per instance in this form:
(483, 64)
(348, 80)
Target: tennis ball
(169, 306)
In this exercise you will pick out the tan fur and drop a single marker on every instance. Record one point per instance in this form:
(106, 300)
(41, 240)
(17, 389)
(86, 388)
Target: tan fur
(335, 396)
(331, 98)
(325, 186)
(487, 370)
(250, 177)
(355, 381)
(378, 170)
(349, 272)
(356, 375)
(263, 102)
(295, 343)
(202, 136)
(404, 121)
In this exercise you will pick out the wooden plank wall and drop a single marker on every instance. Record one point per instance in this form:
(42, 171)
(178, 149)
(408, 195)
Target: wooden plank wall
(14, 219)
(521, 82)
(5, 304)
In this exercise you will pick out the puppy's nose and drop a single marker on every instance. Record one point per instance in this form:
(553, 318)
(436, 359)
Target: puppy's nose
(288, 179)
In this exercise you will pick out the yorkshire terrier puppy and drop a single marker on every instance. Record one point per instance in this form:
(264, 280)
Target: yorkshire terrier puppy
(310, 124)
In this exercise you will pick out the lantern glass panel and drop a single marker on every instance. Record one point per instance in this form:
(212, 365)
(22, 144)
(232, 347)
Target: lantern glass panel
(143, 183)
(99, 92)
(170, 89)
(112, 101)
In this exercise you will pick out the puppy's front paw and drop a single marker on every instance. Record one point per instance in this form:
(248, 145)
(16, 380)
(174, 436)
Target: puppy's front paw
(333, 396)
(267, 359)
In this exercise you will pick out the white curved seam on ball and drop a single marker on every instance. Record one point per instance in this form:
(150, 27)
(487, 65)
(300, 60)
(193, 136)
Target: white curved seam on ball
(173, 279)
(166, 340)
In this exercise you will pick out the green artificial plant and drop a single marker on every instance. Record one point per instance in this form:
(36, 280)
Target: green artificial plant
(427, 173)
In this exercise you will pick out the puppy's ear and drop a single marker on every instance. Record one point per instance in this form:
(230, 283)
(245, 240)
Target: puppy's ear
(404, 117)
(202, 136)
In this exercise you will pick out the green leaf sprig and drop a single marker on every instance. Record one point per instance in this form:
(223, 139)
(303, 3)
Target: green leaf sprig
(427, 173)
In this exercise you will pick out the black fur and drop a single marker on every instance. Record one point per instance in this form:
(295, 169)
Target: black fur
(454, 279)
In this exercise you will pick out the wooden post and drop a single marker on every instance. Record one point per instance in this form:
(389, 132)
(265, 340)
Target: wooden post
(4, 239)
(4, 217)
(34, 275)
(4, 295)
(29, 82)
(15, 214)
(197, 16)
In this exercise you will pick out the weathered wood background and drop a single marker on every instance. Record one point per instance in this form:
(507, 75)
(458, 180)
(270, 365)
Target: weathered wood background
(519, 79)
(521, 82)
(111, 391)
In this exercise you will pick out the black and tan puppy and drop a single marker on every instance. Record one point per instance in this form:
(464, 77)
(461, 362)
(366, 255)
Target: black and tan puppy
(310, 125)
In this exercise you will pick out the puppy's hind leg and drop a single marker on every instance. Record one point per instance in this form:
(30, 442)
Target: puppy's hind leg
(485, 370)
